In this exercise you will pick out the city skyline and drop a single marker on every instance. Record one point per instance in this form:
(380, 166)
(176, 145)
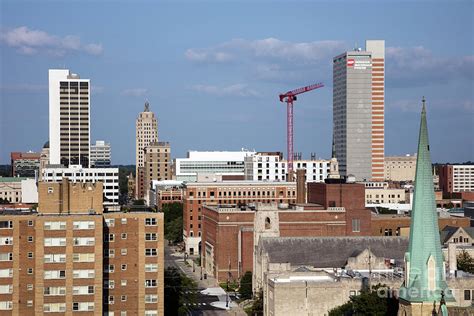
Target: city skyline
(229, 79)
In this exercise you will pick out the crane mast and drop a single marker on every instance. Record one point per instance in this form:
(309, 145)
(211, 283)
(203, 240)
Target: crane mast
(289, 97)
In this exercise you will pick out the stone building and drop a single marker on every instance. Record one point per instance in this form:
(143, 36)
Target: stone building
(400, 168)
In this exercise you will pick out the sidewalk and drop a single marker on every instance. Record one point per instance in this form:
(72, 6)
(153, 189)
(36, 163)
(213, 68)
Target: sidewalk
(205, 283)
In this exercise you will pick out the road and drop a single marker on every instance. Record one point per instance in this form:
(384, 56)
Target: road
(201, 305)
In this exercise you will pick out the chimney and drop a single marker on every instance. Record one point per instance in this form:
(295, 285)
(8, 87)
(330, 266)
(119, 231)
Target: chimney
(300, 186)
(452, 259)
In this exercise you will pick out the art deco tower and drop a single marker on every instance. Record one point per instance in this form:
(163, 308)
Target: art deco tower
(146, 133)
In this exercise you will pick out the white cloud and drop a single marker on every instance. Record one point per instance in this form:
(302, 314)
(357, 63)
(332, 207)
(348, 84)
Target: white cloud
(135, 92)
(238, 90)
(273, 48)
(29, 42)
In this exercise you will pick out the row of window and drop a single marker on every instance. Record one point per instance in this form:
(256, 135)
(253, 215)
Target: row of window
(76, 274)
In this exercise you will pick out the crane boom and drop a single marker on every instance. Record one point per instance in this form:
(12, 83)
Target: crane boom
(289, 97)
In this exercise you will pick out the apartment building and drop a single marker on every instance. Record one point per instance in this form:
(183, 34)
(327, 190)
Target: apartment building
(198, 194)
(157, 164)
(270, 166)
(80, 261)
(456, 178)
(69, 118)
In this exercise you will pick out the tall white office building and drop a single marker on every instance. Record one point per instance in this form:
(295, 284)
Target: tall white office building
(69, 118)
(100, 154)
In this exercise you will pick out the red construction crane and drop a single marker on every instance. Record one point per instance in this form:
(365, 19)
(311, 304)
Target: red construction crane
(289, 97)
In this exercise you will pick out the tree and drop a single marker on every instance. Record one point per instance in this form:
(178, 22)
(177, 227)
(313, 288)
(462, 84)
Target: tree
(465, 262)
(173, 213)
(257, 307)
(139, 202)
(376, 302)
(176, 284)
(245, 289)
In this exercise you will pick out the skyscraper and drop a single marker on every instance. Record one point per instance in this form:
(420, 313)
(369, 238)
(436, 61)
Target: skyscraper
(358, 111)
(146, 133)
(69, 118)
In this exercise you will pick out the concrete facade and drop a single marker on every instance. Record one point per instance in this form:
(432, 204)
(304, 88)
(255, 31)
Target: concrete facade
(100, 154)
(157, 164)
(358, 111)
(69, 118)
(456, 178)
(25, 164)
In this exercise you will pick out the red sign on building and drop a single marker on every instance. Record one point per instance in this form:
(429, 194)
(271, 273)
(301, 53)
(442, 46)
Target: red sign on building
(350, 62)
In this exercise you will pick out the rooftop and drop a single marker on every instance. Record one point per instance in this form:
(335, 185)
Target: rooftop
(12, 179)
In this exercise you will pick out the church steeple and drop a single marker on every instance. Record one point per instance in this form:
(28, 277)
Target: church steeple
(425, 278)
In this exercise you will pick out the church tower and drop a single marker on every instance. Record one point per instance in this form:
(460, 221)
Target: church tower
(425, 280)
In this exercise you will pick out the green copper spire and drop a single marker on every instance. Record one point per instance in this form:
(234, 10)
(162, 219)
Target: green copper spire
(425, 279)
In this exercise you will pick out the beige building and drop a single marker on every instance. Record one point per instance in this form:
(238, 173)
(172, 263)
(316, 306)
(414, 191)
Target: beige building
(146, 133)
(157, 163)
(78, 261)
(384, 196)
(10, 189)
(400, 168)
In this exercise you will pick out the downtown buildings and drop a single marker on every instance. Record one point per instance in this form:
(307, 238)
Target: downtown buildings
(69, 119)
(100, 154)
(358, 111)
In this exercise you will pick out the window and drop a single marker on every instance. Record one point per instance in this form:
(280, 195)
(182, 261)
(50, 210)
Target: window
(110, 253)
(6, 305)
(123, 313)
(123, 282)
(54, 225)
(123, 251)
(150, 252)
(467, 295)
(110, 237)
(30, 238)
(6, 241)
(6, 224)
(150, 237)
(30, 223)
(55, 258)
(54, 307)
(84, 241)
(124, 267)
(109, 284)
(151, 313)
(30, 271)
(151, 267)
(110, 222)
(6, 273)
(123, 298)
(6, 289)
(111, 299)
(29, 287)
(55, 242)
(150, 283)
(83, 306)
(83, 290)
(7, 256)
(83, 274)
(29, 303)
(54, 274)
(124, 221)
(124, 235)
(30, 255)
(355, 225)
(83, 257)
(151, 298)
(83, 225)
(110, 268)
(54, 291)
(150, 221)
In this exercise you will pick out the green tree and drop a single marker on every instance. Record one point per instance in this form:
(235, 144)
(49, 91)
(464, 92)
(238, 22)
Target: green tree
(140, 202)
(257, 308)
(176, 284)
(173, 213)
(245, 289)
(465, 262)
(376, 302)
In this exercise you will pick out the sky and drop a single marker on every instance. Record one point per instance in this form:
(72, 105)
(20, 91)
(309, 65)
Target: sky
(212, 71)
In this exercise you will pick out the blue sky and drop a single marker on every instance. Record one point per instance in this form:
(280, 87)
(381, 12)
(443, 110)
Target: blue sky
(212, 71)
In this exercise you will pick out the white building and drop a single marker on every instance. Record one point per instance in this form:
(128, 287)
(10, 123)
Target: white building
(69, 118)
(18, 190)
(264, 166)
(100, 154)
(210, 162)
(75, 173)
